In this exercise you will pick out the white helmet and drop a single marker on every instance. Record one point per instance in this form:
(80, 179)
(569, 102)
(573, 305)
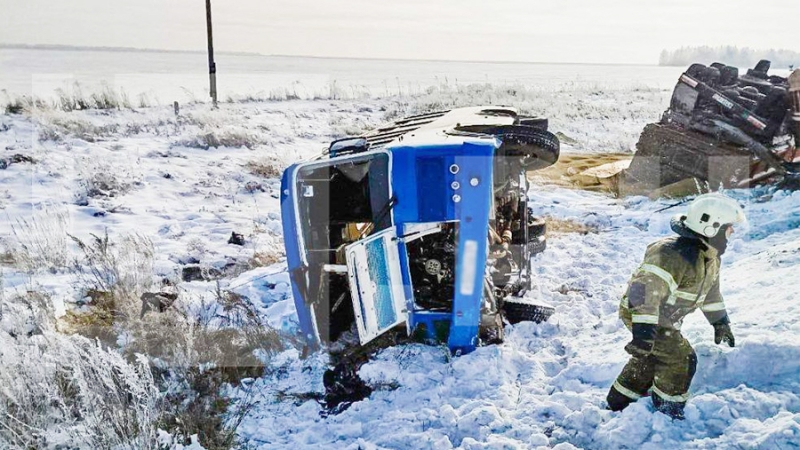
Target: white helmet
(709, 212)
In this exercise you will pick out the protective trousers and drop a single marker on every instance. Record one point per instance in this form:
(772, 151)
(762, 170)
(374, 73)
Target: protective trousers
(666, 373)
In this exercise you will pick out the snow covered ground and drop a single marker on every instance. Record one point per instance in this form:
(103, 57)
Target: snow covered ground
(153, 173)
(545, 386)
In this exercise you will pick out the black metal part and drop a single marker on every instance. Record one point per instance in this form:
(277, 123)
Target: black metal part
(433, 290)
(387, 134)
(347, 146)
(751, 111)
(519, 310)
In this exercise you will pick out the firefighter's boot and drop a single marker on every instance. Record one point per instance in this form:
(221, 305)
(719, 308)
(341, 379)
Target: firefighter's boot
(666, 373)
(632, 384)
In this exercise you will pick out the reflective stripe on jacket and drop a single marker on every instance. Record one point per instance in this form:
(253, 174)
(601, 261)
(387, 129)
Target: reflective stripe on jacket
(677, 276)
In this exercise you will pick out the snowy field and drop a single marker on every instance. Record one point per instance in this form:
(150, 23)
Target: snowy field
(545, 386)
(160, 78)
(184, 183)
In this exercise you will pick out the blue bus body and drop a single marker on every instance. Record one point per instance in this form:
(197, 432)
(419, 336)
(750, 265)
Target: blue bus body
(350, 221)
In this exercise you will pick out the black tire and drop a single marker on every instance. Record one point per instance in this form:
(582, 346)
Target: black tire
(728, 76)
(519, 310)
(711, 76)
(696, 70)
(763, 66)
(540, 123)
(539, 148)
(537, 235)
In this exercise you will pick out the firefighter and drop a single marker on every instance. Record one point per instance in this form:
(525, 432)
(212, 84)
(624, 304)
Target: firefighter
(679, 275)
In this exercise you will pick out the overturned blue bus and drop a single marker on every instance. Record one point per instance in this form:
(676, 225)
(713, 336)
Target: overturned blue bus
(421, 225)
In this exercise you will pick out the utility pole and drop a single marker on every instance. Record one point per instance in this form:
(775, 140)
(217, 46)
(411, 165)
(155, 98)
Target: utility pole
(212, 66)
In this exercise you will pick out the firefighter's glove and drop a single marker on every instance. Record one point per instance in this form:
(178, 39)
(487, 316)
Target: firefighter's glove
(723, 333)
(643, 339)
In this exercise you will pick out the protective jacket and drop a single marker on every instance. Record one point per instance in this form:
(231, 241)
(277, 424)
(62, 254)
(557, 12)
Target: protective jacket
(678, 275)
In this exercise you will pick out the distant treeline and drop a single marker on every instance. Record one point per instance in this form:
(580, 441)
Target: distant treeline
(730, 55)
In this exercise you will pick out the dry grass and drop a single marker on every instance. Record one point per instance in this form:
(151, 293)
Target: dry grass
(16, 106)
(231, 345)
(343, 125)
(113, 276)
(118, 273)
(102, 180)
(7, 258)
(97, 322)
(227, 137)
(266, 167)
(67, 388)
(265, 258)
(73, 99)
(24, 104)
(203, 359)
(195, 357)
(106, 98)
(55, 126)
(566, 226)
(569, 172)
(39, 242)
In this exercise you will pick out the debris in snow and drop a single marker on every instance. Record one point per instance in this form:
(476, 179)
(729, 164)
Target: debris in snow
(199, 273)
(236, 239)
(15, 159)
(253, 187)
(157, 302)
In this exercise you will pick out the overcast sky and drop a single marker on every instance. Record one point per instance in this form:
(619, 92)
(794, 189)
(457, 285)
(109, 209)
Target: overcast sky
(596, 31)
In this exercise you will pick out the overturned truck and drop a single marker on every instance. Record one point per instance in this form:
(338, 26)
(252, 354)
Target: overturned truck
(422, 225)
(722, 129)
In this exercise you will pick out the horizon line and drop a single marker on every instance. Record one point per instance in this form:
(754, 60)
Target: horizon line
(63, 47)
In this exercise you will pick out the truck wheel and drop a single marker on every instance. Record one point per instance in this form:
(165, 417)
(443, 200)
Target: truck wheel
(538, 148)
(537, 235)
(519, 310)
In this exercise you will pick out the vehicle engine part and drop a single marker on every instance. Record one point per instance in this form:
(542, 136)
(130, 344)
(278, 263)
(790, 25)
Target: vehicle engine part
(432, 265)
